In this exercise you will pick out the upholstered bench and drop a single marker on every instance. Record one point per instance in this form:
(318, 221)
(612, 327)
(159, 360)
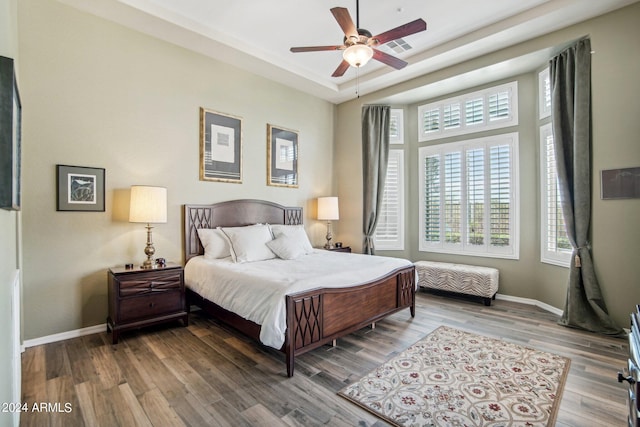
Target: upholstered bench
(459, 278)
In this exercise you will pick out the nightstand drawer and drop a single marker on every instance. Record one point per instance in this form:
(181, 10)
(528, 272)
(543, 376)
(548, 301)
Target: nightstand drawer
(151, 305)
(140, 284)
(139, 297)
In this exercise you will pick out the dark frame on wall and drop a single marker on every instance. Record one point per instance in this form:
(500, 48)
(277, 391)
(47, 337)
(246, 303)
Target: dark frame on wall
(620, 183)
(220, 147)
(80, 189)
(10, 134)
(282, 157)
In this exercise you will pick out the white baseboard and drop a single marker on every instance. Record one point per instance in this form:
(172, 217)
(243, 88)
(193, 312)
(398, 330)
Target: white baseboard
(16, 386)
(65, 335)
(99, 328)
(530, 301)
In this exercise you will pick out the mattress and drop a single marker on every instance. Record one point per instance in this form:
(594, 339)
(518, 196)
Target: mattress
(256, 290)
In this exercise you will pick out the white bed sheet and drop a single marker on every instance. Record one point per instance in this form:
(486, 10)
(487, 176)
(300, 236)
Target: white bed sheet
(256, 291)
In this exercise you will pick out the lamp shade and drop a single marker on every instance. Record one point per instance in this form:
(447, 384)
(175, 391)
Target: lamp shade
(357, 55)
(328, 208)
(148, 204)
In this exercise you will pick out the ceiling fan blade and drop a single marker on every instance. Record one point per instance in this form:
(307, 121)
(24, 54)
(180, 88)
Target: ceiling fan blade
(342, 68)
(315, 48)
(391, 61)
(401, 31)
(344, 20)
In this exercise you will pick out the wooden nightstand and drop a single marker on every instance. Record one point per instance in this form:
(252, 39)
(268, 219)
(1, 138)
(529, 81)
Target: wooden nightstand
(342, 249)
(140, 297)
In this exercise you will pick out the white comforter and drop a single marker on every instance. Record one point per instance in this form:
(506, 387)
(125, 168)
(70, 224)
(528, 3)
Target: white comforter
(256, 291)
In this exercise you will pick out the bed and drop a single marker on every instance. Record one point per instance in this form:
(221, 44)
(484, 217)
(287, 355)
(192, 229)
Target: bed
(314, 317)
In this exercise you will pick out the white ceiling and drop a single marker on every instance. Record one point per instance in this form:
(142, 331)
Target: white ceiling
(256, 34)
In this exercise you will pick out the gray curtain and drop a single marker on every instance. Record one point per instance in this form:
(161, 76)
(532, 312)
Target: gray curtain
(375, 153)
(571, 117)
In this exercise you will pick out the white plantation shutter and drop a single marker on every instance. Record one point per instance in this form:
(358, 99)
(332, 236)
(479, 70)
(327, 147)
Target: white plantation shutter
(452, 196)
(544, 93)
(451, 116)
(396, 126)
(491, 108)
(430, 120)
(556, 248)
(500, 190)
(389, 233)
(431, 198)
(499, 105)
(475, 197)
(474, 111)
(469, 196)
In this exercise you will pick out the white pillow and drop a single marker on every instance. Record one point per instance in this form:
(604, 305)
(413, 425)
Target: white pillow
(295, 232)
(286, 247)
(214, 242)
(249, 243)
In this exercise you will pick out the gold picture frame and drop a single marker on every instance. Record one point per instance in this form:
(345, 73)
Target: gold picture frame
(220, 147)
(282, 157)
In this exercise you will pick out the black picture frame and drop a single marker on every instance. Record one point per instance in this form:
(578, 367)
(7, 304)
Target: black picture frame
(282, 157)
(620, 183)
(10, 137)
(80, 188)
(220, 147)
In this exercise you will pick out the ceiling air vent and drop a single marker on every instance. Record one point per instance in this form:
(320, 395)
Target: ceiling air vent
(398, 45)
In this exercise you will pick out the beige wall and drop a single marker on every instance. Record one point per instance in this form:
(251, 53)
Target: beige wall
(97, 94)
(616, 108)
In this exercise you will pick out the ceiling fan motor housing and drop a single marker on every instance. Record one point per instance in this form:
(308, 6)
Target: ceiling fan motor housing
(363, 38)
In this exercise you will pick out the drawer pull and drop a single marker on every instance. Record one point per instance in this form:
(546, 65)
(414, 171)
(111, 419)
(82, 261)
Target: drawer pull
(151, 305)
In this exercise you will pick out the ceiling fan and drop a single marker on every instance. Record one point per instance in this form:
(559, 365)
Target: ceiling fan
(359, 45)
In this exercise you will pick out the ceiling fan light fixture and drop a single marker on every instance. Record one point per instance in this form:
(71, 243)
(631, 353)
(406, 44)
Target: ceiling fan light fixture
(357, 55)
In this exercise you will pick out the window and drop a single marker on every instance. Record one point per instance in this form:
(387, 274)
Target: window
(469, 197)
(396, 126)
(389, 233)
(491, 108)
(555, 246)
(544, 93)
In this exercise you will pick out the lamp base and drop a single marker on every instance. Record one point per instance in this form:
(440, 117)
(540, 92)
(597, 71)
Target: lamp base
(149, 250)
(329, 236)
(148, 264)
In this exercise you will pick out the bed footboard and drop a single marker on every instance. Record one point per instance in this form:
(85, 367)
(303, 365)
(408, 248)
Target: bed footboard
(319, 316)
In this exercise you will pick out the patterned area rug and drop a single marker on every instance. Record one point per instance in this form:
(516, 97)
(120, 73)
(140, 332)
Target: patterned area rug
(456, 378)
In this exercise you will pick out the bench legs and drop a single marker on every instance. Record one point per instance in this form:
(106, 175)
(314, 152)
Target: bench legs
(487, 301)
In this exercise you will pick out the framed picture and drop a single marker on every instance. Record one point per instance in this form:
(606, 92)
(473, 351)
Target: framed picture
(220, 147)
(620, 183)
(282, 157)
(80, 188)
(10, 129)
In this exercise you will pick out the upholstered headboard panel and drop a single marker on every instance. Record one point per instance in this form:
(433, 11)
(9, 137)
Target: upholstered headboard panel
(233, 213)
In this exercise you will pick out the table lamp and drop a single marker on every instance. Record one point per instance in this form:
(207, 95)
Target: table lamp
(328, 211)
(148, 205)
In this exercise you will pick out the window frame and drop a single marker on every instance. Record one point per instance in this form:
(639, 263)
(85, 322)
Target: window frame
(437, 113)
(510, 252)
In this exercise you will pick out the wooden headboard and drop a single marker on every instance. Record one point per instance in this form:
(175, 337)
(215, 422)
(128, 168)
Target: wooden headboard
(233, 213)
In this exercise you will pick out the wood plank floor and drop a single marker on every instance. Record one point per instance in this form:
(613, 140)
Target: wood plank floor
(209, 375)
